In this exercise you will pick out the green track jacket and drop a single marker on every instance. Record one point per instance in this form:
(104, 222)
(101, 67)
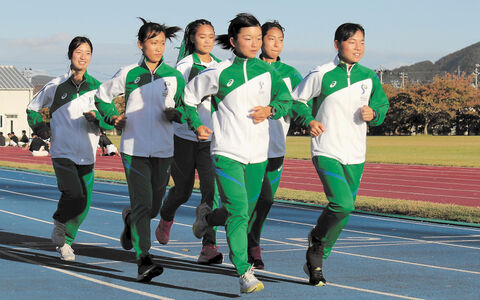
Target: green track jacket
(147, 131)
(339, 94)
(238, 85)
(72, 136)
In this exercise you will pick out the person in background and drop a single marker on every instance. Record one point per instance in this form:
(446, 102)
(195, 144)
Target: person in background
(108, 148)
(24, 139)
(2, 140)
(189, 152)
(273, 36)
(13, 139)
(38, 147)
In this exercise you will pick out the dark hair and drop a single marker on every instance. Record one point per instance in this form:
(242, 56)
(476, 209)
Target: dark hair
(240, 21)
(190, 32)
(150, 30)
(347, 30)
(269, 25)
(76, 42)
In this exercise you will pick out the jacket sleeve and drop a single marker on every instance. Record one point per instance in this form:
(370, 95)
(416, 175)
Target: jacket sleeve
(204, 84)
(98, 116)
(44, 98)
(378, 102)
(107, 92)
(309, 88)
(281, 98)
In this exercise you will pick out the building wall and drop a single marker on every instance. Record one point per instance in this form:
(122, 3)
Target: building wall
(13, 105)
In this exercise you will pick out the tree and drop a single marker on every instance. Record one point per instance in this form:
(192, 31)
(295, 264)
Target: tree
(441, 100)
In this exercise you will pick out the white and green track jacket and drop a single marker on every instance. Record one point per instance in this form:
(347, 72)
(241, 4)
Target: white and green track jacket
(190, 66)
(72, 136)
(147, 132)
(279, 128)
(339, 95)
(238, 85)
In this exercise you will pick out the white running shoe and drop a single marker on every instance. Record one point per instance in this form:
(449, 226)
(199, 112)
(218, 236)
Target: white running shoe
(66, 252)
(58, 233)
(249, 283)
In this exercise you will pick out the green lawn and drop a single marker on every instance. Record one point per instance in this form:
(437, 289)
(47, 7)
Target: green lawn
(421, 150)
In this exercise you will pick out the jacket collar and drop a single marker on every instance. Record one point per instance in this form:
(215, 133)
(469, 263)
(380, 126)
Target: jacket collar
(142, 63)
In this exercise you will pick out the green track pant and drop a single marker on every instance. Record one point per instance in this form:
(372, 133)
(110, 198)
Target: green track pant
(271, 180)
(75, 182)
(147, 179)
(239, 186)
(340, 183)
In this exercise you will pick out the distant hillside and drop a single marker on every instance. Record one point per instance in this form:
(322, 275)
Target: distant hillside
(423, 72)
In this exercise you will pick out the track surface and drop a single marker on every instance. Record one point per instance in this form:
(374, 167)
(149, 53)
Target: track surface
(375, 258)
(410, 182)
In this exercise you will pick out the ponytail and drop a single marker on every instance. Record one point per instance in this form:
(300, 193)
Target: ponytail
(150, 30)
(236, 24)
(188, 46)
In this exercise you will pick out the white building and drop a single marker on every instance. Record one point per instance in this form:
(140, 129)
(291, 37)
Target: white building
(15, 94)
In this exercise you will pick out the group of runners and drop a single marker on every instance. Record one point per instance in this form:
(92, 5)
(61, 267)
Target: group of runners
(226, 119)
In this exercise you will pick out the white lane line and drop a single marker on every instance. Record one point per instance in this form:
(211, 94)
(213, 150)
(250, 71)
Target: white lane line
(409, 263)
(194, 258)
(382, 235)
(87, 278)
(291, 244)
(276, 204)
(388, 219)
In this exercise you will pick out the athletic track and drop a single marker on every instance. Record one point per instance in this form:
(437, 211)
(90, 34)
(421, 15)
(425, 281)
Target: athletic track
(410, 182)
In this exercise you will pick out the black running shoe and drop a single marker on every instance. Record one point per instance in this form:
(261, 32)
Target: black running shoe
(147, 269)
(126, 237)
(313, 266)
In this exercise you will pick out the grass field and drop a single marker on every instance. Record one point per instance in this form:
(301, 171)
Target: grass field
(460, 151)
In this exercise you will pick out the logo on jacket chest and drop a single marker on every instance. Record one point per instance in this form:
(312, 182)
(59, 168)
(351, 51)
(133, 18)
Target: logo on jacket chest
(334, 83)
(137, 80)
(261, 90)
(230, 82)
(165, 89)
(64, 96)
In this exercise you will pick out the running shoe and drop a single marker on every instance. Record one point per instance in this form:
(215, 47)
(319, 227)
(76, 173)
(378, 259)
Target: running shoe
(313, 266)
(200, 225)
(163, 231)
(58, 233)
(66, 252)
(210, 255)
(126, 237)
(255, 257)
(249, 283)
(147, 269)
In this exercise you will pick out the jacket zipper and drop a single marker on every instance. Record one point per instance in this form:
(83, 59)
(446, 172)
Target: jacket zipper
(246, 87)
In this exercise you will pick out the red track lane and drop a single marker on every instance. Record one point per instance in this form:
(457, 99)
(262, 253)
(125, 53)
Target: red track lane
(438, 184)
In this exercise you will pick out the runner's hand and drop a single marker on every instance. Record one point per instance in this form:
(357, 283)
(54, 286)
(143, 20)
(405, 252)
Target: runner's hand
(119, 121)
(90, 116)
(316, 128)
(203, 133)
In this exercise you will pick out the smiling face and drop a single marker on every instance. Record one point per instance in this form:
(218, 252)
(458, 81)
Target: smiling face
(204, 39)
(81, 57)
(351, 51)
(248, 41)
(153, 48)
(272, 44)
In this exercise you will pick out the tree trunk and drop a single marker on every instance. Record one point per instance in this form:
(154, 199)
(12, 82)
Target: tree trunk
(425, 130)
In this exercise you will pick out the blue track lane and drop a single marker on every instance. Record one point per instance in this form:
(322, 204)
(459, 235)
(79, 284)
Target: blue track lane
(375, 258)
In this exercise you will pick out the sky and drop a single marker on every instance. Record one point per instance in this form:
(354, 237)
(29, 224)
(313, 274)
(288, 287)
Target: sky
(36, 34)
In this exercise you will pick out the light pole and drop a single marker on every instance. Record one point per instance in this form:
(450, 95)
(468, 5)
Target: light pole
(476, 73)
